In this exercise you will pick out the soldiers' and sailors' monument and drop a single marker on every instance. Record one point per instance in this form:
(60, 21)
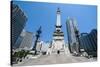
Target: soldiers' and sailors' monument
(58, 43)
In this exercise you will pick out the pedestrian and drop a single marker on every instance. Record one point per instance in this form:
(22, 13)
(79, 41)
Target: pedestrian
(58, 52)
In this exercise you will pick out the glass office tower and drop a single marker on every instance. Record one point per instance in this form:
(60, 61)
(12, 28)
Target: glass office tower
(88, 42)
(72, 32)
(18, 21)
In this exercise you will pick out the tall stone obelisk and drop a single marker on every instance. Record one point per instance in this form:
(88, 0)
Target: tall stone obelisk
(58, 43)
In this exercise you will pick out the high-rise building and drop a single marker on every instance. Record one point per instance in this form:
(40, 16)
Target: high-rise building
(18, 42)
(18, 21)
(58, 36)
(88, 42)
(27, 40)
(73, 34)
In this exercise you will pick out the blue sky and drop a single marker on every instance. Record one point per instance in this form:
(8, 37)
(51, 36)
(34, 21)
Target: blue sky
(44, 14)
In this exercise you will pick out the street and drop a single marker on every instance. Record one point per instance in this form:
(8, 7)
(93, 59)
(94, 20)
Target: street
(55, 59)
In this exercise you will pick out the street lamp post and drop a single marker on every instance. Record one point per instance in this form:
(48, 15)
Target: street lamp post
(77, 37)
(38, 32)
